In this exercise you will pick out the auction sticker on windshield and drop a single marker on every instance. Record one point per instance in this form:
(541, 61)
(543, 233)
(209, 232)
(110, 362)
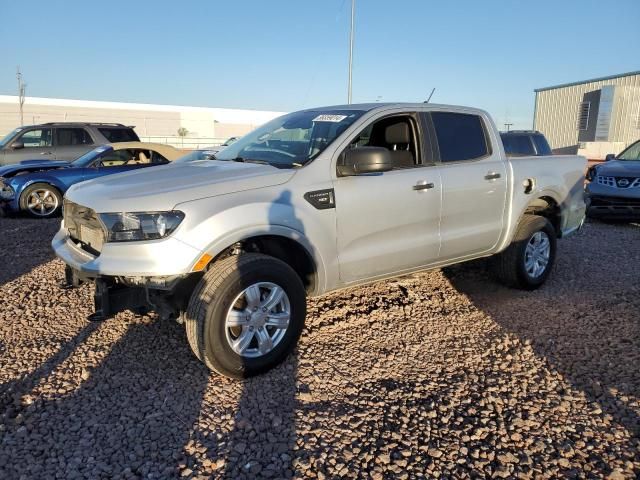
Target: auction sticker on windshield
(329, 118)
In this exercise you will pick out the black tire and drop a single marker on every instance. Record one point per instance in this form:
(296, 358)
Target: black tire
(212, 299)
(509, 266)
(53, 194)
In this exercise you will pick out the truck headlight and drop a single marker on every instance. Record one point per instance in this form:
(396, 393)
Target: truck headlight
(136, 226)
(7, 192)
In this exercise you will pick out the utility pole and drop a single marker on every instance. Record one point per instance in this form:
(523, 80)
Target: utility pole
(353, 14)
(21, 90)
(508, 126)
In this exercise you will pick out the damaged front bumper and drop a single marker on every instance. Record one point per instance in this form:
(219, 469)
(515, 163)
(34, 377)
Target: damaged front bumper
(167, 296)
(137, 276)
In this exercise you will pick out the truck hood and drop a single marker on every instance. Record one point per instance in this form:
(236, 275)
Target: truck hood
(619, 168)
(161, 188)
(31, 166)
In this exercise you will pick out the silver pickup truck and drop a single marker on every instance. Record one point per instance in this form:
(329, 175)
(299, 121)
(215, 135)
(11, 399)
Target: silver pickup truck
(311, 202)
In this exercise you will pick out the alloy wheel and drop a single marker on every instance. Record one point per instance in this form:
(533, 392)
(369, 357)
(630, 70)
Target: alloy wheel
(537, 254)
(258, 319)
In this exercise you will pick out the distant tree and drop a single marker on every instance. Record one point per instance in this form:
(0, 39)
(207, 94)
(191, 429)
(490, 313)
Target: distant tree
(183, 132)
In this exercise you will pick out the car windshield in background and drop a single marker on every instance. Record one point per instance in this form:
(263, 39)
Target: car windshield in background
(291, 140)
(631, 153)
(197, 155)
(88, 158)
(8, 137)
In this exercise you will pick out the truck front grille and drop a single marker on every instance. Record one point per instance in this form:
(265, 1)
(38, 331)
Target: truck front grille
(83, 226)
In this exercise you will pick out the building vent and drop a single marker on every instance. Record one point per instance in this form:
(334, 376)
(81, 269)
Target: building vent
(583, 115)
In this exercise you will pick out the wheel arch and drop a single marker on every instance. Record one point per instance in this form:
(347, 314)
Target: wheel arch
(30, 183)
(546, 206)
(47, 181)
(280, 242)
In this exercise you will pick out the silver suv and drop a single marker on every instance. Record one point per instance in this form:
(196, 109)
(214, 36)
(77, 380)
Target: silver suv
(311, 202)
(60, 141)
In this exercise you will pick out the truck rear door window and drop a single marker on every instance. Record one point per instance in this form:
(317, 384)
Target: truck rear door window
(461, 136)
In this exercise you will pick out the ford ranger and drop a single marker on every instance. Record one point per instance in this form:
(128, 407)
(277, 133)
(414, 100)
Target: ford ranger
(311, 202)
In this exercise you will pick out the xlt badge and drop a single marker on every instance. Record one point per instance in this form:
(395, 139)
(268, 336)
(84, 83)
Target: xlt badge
(321, 199)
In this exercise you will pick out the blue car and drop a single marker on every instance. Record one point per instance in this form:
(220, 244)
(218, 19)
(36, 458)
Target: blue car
(36, 187)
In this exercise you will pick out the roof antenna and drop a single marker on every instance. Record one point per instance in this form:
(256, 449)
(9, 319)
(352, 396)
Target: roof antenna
(430, 95)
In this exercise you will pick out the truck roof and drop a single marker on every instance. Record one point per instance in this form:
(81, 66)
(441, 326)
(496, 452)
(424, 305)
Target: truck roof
(384, 105)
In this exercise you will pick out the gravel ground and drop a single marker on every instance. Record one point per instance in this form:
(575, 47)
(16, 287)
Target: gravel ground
(442, 374)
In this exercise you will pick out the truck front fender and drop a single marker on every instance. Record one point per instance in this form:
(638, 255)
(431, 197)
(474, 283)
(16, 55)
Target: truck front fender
(214, 234)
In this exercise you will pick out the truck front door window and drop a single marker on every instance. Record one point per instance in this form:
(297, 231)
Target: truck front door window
(396, 134)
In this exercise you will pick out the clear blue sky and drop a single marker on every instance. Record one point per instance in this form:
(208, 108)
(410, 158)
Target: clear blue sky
(289, 54)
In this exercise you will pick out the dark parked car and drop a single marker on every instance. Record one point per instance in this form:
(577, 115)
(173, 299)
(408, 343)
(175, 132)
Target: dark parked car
(613, 191)
(525, 143)
(36, 187)
(60, 141)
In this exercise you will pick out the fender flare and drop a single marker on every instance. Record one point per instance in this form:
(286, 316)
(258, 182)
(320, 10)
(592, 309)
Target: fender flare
(552, 194)
(220, 244)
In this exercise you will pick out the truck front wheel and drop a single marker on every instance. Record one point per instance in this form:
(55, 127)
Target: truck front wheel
(246, 314)
(527, 262)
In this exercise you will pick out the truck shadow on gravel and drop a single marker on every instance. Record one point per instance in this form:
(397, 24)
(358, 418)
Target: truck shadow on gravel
(262, 439)
(583, 321)
(25, 244)
(11, 392)
(148, 409)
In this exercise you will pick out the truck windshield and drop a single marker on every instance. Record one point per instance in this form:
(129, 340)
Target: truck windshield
(291, 140)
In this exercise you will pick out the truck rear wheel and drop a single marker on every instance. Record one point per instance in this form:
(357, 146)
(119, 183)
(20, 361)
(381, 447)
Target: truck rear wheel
(527, 262)
(246, 315)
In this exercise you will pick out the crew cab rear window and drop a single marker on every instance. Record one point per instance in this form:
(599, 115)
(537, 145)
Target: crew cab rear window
(460, 136)
(115, 135)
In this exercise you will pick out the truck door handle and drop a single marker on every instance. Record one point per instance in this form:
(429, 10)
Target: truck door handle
(492, 176)
(423, 186)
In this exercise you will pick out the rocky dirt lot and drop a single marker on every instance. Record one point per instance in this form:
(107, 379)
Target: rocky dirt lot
(439, 375)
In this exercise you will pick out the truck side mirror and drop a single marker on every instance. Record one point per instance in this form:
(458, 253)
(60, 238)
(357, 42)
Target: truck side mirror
(17, 145)
(610, 156)
(363, 160)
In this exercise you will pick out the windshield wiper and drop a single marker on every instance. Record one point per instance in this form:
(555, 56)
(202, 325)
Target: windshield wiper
(249, 160)
(264, 162)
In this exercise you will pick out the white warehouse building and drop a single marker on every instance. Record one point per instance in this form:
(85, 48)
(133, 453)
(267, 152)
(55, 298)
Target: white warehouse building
(155, 123)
